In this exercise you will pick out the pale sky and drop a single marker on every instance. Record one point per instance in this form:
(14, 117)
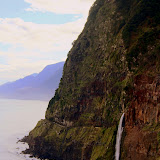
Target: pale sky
(36, 33)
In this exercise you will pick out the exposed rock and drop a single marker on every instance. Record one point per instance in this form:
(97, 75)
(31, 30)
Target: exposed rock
(113, 67)
(142, 119)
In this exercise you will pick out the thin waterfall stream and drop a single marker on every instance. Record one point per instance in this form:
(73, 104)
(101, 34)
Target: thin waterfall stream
(118, 139)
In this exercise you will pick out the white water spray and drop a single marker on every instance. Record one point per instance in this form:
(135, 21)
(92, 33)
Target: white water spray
(118, 139)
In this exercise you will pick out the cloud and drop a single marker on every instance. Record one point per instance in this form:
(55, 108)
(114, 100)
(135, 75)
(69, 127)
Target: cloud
(42, 37)
(39, 44)
(33, 46)
(61, 6)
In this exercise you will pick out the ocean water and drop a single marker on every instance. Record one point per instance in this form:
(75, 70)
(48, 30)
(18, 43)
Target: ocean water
(17, 118)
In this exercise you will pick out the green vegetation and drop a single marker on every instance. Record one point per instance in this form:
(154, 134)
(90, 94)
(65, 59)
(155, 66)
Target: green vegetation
(120, 41)
(96, 140)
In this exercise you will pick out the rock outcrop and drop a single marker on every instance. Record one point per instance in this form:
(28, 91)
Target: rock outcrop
(142, 120)
(113, 67)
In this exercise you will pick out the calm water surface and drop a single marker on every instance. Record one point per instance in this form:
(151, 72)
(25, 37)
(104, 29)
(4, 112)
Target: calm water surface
(17, 118)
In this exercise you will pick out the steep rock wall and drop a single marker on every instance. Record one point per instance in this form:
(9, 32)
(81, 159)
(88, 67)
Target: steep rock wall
(143, 119)
(113, 67)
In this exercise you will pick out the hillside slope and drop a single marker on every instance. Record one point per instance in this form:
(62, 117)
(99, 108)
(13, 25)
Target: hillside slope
(113, 67)
(39, 86)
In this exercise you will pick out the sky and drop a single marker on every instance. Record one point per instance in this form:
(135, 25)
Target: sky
(36, 33)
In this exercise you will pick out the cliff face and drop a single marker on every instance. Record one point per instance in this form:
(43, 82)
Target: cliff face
(142, 128)
(113, 67)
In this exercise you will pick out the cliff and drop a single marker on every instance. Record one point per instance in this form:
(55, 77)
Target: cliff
(113, 67)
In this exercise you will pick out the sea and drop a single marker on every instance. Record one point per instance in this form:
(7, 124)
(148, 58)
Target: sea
(17, 119)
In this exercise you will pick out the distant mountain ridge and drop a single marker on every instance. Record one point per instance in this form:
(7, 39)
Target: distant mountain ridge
(39, 86)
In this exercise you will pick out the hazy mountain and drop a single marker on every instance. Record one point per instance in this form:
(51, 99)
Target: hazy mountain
(39, 86)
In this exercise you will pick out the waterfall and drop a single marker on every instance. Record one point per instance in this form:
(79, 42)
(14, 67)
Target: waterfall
(118, 139)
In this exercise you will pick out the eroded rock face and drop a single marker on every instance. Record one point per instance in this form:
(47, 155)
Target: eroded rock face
(139, 144)
(141, 140)
(145, 105)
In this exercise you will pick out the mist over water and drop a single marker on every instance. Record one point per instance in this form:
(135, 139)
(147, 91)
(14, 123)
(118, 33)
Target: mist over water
(17, 118)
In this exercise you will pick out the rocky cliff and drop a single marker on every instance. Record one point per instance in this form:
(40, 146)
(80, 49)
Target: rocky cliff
(113, 67)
